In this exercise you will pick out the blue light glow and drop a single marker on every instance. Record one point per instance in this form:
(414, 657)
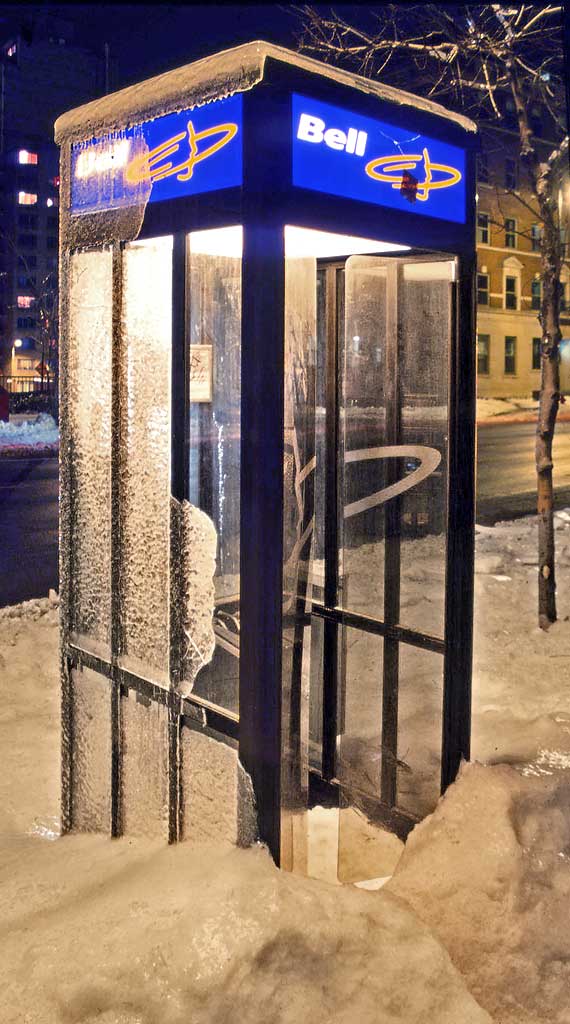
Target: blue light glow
(345, 154)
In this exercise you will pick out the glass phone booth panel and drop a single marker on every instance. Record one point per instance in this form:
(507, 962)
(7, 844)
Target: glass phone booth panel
(365, 510)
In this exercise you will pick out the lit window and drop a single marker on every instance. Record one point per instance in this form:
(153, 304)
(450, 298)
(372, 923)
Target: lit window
(483, 289)
(483, 228)
(511, 297)
(25, 301)
(510, 233)
(25, 157)
(25, 364)
(11, 50)
(55, 181)
(535, 237)
(483, 346)
(536, 294)
(536, 353)
(510, 354)
(27, 198)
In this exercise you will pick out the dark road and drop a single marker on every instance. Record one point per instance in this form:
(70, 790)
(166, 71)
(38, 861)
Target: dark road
(29, 508)
(28, 528)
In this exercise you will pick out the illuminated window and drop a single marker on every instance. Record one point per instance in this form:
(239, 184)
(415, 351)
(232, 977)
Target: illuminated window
(510, 233)
(25, 301)
(25, 157)
(27, 198)
(483, 289)
(483, 228)
(483, 346)
(536, 353)
(55, 181)
(510, 354)
(535, 237)
(11, 51)
(511, 293)
(536, 293)
(25, 364)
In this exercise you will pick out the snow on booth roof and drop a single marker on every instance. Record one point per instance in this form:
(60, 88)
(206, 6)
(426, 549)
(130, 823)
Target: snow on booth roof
(215, 77)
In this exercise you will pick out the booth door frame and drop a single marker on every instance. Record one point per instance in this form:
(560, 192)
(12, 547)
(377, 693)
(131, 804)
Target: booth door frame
(261, 570)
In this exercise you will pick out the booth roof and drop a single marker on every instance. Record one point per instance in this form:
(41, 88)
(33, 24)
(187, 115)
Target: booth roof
(222, 74)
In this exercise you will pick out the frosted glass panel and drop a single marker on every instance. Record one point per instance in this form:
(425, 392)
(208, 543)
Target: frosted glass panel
(91, 767)
(145, 477)
(144, 769)
(214, 328)
(364, 372)
(90, 308)
(425, 331)
(420, 702)
(393, 453)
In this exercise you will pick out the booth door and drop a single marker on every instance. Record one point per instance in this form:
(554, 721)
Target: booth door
(378, 553)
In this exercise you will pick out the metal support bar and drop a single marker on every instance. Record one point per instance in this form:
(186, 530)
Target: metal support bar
(367, 625)
(261, 543)
(331, 627)
(118, 399)
(215, 718)
(179, 485)
(392, 526)
(461, 527)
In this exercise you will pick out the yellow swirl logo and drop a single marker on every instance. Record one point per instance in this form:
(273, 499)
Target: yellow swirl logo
(155, 165)
(396, 171)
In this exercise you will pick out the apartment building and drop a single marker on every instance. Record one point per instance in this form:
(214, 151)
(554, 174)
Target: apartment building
(508, 271)
(41, 75)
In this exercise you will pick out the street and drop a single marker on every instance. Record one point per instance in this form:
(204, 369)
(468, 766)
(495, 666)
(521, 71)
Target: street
(28, 528)
(28, 502)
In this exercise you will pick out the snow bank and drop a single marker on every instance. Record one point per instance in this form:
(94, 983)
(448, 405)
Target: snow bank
(38, 431)
(130, 933)
(487, 407)
(489, 872)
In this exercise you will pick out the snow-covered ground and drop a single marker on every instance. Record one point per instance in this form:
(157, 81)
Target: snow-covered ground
(23, 430)
(472, 927)
(487, 407)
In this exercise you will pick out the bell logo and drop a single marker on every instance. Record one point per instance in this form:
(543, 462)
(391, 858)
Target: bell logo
(314, 129)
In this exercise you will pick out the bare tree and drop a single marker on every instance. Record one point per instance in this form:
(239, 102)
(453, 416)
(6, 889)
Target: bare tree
(470, 57)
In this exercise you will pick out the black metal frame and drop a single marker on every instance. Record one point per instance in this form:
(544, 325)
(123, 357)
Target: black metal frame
(263, 206)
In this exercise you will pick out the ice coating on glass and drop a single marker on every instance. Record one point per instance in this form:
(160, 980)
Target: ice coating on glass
(198, 561)
(91, 805)
(145, 476)
(89, 396)
(217, 797)
(144, 770)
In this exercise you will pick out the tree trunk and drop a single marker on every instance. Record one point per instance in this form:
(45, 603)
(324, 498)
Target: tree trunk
(548, 409)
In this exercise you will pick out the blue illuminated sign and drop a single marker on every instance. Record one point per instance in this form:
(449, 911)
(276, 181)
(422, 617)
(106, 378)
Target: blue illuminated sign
(342, 153)
(179, 154)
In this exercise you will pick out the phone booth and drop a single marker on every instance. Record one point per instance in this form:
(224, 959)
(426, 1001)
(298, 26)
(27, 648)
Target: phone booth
(267, 454)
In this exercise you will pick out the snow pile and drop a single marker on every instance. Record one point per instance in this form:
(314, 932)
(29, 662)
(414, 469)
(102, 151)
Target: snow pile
(521, 697)
(29, 718)
(37, 432)
(490, 407)
(489, 872)
(128, 932)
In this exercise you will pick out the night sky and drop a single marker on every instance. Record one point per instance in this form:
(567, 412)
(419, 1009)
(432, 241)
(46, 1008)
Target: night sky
(147, 39)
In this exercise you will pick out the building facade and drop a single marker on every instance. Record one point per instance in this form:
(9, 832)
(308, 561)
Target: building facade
(42, 74)
(508, 272)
